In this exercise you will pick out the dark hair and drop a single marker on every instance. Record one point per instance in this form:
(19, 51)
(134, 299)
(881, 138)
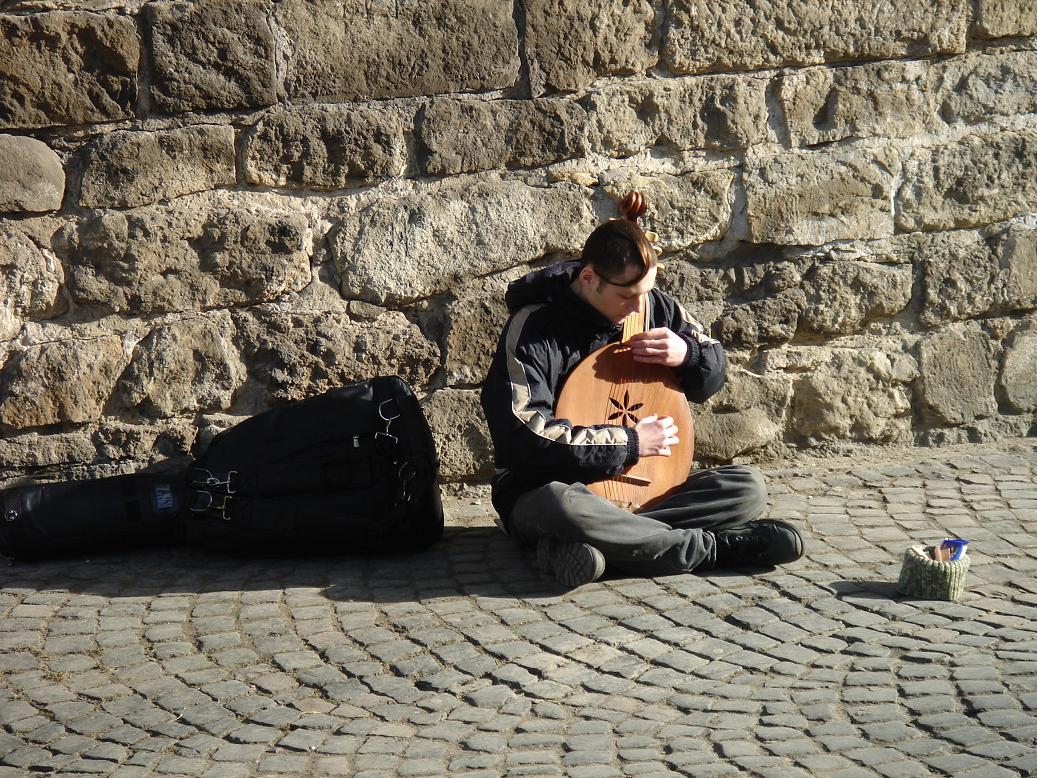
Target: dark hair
(615, 246)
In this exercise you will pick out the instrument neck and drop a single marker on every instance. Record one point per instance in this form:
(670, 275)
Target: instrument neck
(637, 322)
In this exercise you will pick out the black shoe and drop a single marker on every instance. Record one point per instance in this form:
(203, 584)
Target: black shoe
(570, 563)
(758, 544)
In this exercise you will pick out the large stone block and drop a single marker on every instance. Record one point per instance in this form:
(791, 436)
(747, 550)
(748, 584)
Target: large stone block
(842, 296)
(464, 136)
(31, 176)
(854, 394)
(1016, 249)
(30, 282)
(704, 35)
(683, 210)
(975, 87)
(128, 169)
(356, 50)
(746, 415)
(33, 450)
(768, 321)
(890, 99)
(129, 447)
(211, 55)
(702, 288)
(184, 367)
(1005, 18)
(327, 146)
(474, 321)
(710, 112)
(67, 68)
(720, 437)
(1018, 378)
(426, 242)
(207, 252)
(570, 43)
(958, 366)
(295, 355)
(60, 381)
(959, 274)
(462, 440)
(980, 179)
(817, 197)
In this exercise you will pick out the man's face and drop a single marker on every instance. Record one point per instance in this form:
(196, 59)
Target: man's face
(613, 300)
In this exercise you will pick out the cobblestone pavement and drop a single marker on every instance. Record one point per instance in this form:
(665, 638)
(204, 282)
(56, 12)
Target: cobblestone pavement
(463, 660)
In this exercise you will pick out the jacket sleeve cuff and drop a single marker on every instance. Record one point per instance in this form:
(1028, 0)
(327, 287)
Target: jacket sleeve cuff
(633, 448)
(694, 355)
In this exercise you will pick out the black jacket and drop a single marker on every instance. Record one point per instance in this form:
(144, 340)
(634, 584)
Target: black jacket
(551, 329)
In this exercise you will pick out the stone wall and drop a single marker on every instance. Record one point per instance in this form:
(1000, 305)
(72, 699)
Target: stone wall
(210, 207)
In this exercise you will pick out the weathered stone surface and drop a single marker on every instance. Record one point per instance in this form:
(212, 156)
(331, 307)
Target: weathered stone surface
(31, 176)
(32, 450)
(473, 323)
(207, 252)
(462, 440)
(30, 282)
(128, 169)
(980, 179)
(721, 437)
(60, 381)
(701, 288)
(732, 35)
(683, 210)
(463, 136)
(1005, 18)
(974, 87)
(816, 197)
(184, 367)
(166, 443)
(211, 54)
(859, 394)
(843, 296)
(958, 366)
(710, 112)
(889, 99)
(353, 49)
(326, 146)
(1016, 249)
(570, 43)
(1018, 379)
(426, 242)
(67, 68)
(960, 275)
(744, 389)
(765, 322)
(747, 414)
(295, 355)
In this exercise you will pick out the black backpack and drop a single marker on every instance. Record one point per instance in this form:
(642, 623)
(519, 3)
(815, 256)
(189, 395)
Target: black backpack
(352, 469)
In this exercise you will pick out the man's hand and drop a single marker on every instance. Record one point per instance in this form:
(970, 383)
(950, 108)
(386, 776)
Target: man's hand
(655, 436)
(660, 346)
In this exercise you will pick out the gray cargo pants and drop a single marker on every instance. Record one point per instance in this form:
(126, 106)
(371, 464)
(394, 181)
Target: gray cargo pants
(665, 540)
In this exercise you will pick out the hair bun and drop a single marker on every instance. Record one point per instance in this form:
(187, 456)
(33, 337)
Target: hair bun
(634, 205)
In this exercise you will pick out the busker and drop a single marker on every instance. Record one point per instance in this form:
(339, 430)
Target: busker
(558, 316)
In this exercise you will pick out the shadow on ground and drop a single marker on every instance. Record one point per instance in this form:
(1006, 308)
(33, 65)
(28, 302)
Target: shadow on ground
(468, 561)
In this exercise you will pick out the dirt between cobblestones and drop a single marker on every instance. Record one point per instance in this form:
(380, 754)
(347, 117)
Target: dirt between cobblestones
(463, 660)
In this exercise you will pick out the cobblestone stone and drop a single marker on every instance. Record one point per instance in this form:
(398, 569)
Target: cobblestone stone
(463, 660)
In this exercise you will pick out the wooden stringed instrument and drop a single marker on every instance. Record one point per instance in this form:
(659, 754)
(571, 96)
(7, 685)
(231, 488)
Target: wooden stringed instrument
(609, 387)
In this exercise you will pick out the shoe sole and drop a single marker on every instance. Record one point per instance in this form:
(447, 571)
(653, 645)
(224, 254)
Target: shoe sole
(571, 564)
